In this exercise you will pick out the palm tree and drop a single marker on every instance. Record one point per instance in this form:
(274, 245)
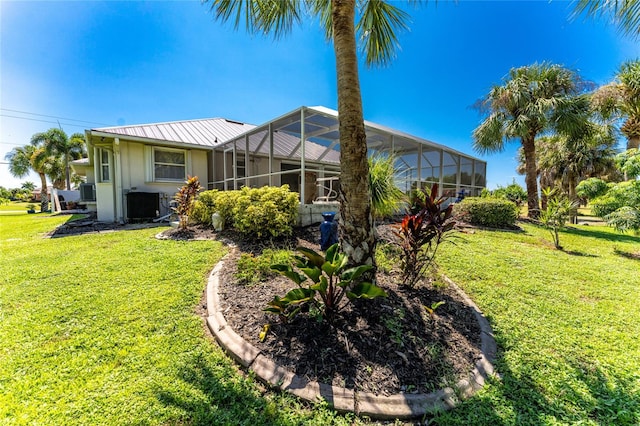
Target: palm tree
(625, 13)
(620, 99)
(58, 144)
(533, 99)
(376, 26)
(32, 158)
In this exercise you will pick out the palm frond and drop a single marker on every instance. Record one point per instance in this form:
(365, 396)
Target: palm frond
(377, 29)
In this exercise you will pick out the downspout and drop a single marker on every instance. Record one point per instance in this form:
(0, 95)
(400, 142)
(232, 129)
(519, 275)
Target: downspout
(302, 156)
(117, 175)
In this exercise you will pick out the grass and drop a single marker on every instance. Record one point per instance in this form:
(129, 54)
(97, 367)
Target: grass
(102, 329)
(14, 207)
(566, 322)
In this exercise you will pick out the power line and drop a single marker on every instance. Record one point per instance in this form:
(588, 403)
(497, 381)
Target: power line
(43, 121)
(53, 116)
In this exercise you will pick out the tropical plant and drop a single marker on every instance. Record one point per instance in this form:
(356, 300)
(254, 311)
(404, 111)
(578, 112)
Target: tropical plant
(421, 234)
(376, 28)
(591, 188)
(555, 216)
(532, 100)
(620, 100)
(60, 146)
(331, 281)
(184, 200)
(625, 13)
(386, 197)
(614, 205)
(629, 163)
(28, 158)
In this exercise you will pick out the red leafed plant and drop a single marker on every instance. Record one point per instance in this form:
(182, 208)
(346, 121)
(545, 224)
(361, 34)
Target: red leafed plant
(422, 231)
(185, 198)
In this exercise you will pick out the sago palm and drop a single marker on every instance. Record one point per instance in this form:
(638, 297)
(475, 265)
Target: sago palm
(531, 100)
(376, 26)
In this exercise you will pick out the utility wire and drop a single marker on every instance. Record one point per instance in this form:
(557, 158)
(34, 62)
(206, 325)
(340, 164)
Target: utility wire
(43, 121)
(54, 116)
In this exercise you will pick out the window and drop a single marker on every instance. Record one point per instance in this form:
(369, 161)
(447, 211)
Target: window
(105, 166)
(169, 164)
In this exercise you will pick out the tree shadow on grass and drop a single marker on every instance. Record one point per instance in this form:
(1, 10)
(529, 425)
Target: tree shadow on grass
(589, 395)
(619, 238)
(627, 254)
(216, 394)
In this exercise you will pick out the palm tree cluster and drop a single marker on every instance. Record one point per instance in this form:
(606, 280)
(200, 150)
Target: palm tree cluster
(49, 155)
(566, 128)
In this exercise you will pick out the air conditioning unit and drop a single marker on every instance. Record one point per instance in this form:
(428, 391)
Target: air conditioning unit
(87, 192)
(143, 205)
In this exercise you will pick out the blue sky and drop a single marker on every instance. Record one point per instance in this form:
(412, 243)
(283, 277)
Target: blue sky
(91, 64)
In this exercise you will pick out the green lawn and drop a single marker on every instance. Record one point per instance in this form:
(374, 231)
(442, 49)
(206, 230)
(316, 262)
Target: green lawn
(101, 329)
(567, 325)
(14, 207)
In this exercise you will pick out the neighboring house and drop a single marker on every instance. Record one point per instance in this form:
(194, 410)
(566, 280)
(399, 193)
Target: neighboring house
(133, 171)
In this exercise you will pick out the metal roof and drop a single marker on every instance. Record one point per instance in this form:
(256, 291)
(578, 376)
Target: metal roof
(209, 132)
(321, 127)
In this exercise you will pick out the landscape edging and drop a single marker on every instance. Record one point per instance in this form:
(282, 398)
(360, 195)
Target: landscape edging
(398, 406)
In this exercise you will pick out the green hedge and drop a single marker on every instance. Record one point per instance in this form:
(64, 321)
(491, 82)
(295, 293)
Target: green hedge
(258, 212)
(491, 212)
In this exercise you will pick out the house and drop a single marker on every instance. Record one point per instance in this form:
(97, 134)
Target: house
(133, 171)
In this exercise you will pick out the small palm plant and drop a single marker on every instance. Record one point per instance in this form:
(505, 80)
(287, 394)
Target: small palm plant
(555, 216)
(185, 199)
(386, 197)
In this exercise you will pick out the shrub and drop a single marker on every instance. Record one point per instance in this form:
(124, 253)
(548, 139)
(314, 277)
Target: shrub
(257, 212)
(421, 234)
(490, 212)
(254, 269)
(266, 211)
(514, 193)
(205, 206)
(592, 188)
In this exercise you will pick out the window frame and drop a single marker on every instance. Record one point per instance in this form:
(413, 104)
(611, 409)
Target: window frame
(151, 163)
(101, 164)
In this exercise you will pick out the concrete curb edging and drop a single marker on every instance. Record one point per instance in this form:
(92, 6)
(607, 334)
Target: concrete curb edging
(398, 406)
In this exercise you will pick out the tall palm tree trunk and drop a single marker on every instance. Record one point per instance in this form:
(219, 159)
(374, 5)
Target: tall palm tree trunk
(358, 238)
(44, 198)
(633, 142)
(67, 171)
(531, 176)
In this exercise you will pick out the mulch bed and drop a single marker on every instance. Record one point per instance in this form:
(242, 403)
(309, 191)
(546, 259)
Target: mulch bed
(385, 346)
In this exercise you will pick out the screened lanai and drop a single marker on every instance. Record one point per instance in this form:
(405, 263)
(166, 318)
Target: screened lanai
(302, 149)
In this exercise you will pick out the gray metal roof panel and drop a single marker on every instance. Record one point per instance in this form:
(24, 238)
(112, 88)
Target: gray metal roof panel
(206, 132)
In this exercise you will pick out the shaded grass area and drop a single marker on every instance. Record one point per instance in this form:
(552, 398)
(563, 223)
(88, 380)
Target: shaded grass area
(102, 329)
(566, 323)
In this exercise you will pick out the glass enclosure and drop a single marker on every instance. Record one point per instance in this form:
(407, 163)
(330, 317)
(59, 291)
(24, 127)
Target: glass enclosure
(302, 149)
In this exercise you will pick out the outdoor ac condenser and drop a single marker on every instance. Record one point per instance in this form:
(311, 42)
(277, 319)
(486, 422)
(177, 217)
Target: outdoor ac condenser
(143, 205)
(87, 192)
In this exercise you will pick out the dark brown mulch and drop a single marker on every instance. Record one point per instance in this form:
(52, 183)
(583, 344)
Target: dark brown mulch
(386, 346)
